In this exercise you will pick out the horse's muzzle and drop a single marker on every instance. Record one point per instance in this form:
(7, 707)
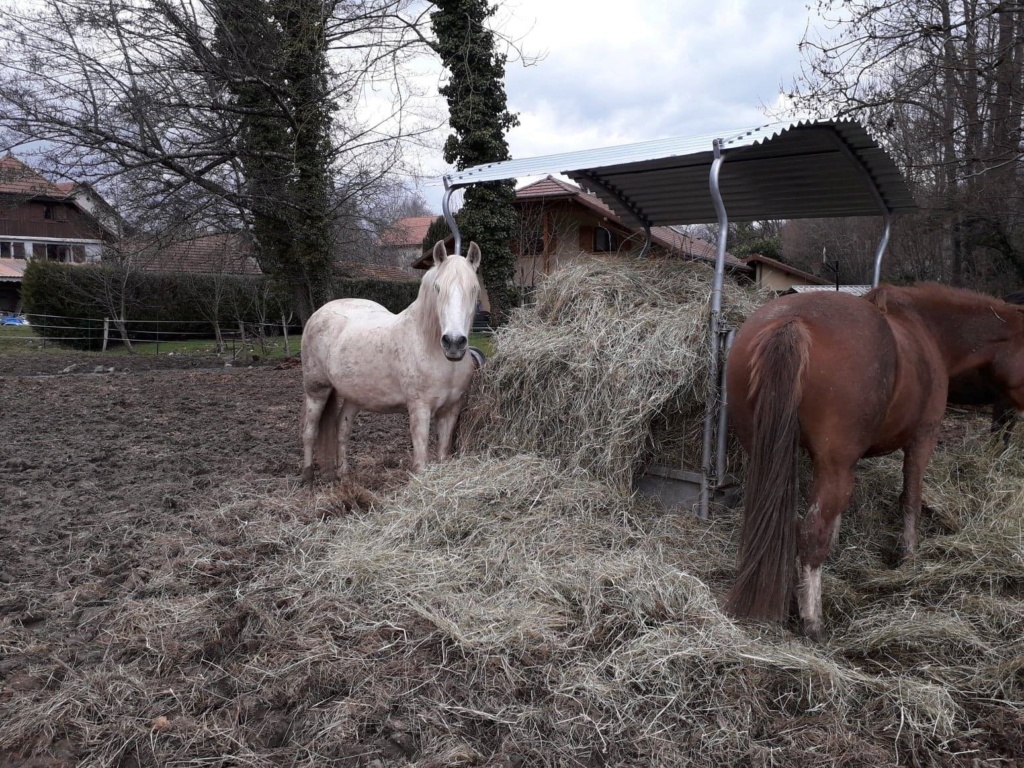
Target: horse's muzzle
(454, 346)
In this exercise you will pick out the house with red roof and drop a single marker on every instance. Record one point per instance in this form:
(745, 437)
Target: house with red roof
(404, 238)
(40, 219)
(559, 222)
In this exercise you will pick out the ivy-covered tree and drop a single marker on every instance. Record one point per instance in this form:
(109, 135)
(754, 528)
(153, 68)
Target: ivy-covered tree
(274, 63)
(479, 118)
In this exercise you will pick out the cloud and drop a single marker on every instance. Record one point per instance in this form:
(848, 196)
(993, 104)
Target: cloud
(615, 73)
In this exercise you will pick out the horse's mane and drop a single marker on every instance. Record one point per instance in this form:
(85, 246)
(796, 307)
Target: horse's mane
(959, 296)
(929, 291)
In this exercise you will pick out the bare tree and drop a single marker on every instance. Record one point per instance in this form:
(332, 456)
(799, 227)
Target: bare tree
(942, 82)
(241, 110)
(114, 283)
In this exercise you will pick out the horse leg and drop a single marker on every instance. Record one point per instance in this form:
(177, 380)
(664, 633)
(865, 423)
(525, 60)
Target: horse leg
(346, 418)
(445, 421)
(915, 460)
(419, 426)
(316, 401)
(830, 494)
(1004, 415)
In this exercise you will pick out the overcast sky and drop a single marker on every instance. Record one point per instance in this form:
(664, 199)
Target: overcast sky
(617, 72)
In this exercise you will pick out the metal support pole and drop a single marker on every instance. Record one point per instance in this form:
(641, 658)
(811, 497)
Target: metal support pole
(709, 479)
(448, 217)
(647, 241)
(887, 219)
(723, 425)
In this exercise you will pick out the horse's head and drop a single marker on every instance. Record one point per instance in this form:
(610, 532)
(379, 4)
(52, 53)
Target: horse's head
(456, 291)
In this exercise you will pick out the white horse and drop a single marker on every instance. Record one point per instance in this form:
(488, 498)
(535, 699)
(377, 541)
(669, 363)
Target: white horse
(356, 355)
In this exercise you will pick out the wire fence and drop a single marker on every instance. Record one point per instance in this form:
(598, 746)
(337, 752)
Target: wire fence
(101, 335)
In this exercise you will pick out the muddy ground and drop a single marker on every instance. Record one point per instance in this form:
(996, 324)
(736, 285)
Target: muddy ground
(102, 472)
(108, 482)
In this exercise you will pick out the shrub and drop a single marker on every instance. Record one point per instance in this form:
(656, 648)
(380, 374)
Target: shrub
(68, 303)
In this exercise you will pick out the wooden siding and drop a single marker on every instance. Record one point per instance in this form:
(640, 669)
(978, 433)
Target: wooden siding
(28, 219)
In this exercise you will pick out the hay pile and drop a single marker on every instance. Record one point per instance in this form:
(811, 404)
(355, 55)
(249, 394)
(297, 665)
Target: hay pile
(506, 612)
(607, 372)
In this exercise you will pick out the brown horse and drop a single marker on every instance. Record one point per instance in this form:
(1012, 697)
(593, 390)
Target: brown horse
(847, 377)
(978, 387)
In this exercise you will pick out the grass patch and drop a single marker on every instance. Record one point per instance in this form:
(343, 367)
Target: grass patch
(22, 339)
(482, 341)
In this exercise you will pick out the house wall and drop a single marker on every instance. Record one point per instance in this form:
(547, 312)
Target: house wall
(46, 221)
(36, 229)
(776, 280)
(567, 229)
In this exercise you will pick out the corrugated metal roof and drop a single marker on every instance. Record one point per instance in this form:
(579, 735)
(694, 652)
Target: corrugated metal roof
(853, 290)
(805, 169)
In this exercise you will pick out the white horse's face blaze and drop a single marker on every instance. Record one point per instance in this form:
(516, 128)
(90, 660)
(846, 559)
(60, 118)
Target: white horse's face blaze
(456, 292)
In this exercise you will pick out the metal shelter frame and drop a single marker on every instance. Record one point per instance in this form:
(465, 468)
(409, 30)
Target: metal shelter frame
(803, 169)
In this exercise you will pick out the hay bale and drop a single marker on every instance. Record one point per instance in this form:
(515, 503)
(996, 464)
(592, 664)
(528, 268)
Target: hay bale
(607, 371)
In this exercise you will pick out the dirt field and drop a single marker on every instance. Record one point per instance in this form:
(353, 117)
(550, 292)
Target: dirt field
(101, 477)
(150, 523)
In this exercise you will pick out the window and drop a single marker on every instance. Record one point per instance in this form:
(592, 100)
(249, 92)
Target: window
(48, 212)
(532, 245)
(6, 250)
(57, 252)
(19, 250)
(605, 241)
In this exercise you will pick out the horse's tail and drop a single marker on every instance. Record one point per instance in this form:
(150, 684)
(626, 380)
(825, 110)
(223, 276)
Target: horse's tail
(767, 555)
(325, 450)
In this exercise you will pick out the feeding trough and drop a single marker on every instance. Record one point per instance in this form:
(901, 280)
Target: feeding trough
(803, 169)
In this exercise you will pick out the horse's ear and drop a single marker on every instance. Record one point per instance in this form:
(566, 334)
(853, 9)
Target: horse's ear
(473, 255)
(440, 253)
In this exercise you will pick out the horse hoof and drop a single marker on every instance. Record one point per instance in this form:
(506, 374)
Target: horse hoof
(903, 555)
(815, 632)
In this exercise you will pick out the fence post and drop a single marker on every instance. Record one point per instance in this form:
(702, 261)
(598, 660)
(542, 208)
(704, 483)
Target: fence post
(284, 329)
(241, 337)
(106, 332)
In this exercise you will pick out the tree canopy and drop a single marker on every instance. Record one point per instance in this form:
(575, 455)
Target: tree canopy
(942, 83)
(223, 113)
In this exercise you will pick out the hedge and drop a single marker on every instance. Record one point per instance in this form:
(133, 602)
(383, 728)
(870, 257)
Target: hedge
(182, 302)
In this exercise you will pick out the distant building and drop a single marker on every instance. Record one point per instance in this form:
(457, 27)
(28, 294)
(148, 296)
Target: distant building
(779, 277)
(404, 239)
(40, 219)
(560, 222)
